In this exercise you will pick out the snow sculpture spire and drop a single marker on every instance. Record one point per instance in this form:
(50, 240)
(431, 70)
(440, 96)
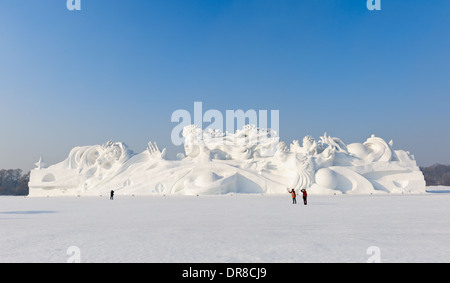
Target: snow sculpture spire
(40, 164)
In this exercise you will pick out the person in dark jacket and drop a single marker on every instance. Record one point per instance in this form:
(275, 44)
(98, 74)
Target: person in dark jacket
(111, 197)
(305, 195)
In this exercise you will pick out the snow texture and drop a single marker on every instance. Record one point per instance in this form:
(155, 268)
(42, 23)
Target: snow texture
(227, 228)
(251, 160)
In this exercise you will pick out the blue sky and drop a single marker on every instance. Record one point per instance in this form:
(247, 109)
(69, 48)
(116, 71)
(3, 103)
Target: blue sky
(118, 69)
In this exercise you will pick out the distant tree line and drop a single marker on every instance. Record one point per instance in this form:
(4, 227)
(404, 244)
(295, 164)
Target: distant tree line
(437, 175)
(12, 182)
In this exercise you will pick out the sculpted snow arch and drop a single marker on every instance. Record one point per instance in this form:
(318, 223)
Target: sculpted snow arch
(49, 177)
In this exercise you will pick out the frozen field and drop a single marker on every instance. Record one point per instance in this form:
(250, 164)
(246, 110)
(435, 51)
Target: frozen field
(238, 228)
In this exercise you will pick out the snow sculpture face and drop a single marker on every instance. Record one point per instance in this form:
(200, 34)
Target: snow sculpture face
(111, 153)
(191, 141)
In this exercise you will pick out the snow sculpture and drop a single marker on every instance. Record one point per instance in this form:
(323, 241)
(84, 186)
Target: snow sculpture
(40, 164)
(251, 160)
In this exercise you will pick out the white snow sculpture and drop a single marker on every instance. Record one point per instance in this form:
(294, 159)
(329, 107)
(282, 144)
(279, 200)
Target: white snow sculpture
(40, 164)
(251, 160)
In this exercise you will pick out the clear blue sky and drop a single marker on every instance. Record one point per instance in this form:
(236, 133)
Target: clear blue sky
(118, 69)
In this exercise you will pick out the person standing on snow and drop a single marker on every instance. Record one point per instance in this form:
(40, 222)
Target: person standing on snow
(294, 195)
(305, 195)
(111, 197)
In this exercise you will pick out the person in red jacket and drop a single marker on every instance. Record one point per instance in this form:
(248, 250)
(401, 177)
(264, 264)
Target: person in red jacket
(305, 195)
(294, 195)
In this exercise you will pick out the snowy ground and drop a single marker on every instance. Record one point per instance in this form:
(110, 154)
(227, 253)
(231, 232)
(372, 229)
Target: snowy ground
(238, 228)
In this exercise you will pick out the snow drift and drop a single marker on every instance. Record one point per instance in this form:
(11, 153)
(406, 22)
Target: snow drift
(251, 160)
